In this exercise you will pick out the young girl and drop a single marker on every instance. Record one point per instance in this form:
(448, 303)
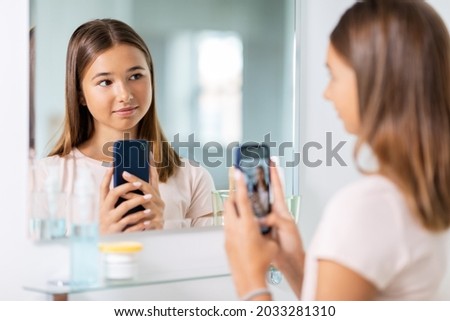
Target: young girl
(382, 237)
(110, 96)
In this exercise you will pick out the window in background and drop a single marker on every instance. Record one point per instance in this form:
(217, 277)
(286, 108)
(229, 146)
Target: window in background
(220, 77)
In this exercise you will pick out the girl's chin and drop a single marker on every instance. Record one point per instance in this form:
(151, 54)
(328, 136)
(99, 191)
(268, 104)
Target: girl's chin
(351, 129)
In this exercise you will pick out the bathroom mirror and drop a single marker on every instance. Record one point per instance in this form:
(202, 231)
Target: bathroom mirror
(224, 71)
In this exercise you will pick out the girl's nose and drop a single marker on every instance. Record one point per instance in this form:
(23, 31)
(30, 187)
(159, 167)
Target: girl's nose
(125, 94)
(326, 93)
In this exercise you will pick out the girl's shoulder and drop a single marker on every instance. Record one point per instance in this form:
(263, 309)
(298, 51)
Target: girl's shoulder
(57, 160)
(192, 169)
(65, 168)
(368, 189)
(193, 173)
(51, 161)
(373, 198)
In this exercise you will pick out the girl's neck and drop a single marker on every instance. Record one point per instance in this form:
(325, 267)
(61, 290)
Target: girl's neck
(99, 147)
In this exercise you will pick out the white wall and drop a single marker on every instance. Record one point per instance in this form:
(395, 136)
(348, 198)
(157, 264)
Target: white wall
(13, 145)
(317, 116)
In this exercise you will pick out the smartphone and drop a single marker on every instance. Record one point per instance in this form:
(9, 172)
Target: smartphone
(132, 156)
(253, 161)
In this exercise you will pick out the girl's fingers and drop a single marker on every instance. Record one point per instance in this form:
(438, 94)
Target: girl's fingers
(106, 182)
(154, 177)
(230, 215)
(131, 222)
(152, 199)
(146, 187)
(274, 220)
(113, 195)
(130, 195)
(279, 203)
(127, 205)
(145, 224)
(277, 188)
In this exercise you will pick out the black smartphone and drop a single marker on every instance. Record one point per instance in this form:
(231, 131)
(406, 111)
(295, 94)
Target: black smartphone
(132, 156)
(253, 161)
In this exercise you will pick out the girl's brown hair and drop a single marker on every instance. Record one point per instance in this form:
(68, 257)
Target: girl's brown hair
(87, 42)
(400, 51)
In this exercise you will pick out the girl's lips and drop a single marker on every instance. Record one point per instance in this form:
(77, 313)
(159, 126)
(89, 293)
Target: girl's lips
(126, 111)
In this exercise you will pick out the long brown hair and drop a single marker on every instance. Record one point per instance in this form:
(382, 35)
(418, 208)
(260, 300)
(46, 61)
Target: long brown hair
(400, 51)
(87, 42)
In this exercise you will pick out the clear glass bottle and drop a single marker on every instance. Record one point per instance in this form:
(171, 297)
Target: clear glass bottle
(55, 220)
(84, 254)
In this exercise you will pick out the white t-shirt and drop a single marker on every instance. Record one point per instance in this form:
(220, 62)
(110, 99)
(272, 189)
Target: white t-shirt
(368, 228)
(186, 194)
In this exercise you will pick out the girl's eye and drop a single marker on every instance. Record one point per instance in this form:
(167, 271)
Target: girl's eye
(104, 83)
(136, 76)
(330, 73)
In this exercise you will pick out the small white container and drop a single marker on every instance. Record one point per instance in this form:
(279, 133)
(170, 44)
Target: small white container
(119, 260)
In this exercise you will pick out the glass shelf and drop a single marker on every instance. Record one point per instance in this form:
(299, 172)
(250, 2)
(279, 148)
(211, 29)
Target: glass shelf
(60, 289)
(167, 256)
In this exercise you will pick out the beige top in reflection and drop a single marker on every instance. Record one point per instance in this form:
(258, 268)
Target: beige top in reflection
(187, 194)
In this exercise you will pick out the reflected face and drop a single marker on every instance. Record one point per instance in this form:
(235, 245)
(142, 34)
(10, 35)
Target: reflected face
(342, 90)
(117, 89)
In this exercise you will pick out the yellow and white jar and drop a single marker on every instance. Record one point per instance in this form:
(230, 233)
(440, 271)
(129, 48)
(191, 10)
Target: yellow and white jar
(119, 260)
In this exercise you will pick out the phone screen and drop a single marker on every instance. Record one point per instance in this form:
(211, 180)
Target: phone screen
(131, 156)
(253, 160)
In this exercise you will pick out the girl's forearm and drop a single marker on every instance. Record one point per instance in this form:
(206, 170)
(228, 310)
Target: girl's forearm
(293, 272)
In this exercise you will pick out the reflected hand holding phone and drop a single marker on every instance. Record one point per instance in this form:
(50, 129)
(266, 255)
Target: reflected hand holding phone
(131, 156)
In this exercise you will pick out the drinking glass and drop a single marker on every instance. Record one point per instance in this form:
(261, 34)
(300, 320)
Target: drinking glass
(218, 198)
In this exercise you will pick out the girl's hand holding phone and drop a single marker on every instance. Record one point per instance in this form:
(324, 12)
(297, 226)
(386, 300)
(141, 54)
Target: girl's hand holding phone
(290, 256)
(249, 252)
(114, 219)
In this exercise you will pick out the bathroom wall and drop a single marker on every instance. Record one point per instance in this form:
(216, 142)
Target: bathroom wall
(317, 116)
(14, 248)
